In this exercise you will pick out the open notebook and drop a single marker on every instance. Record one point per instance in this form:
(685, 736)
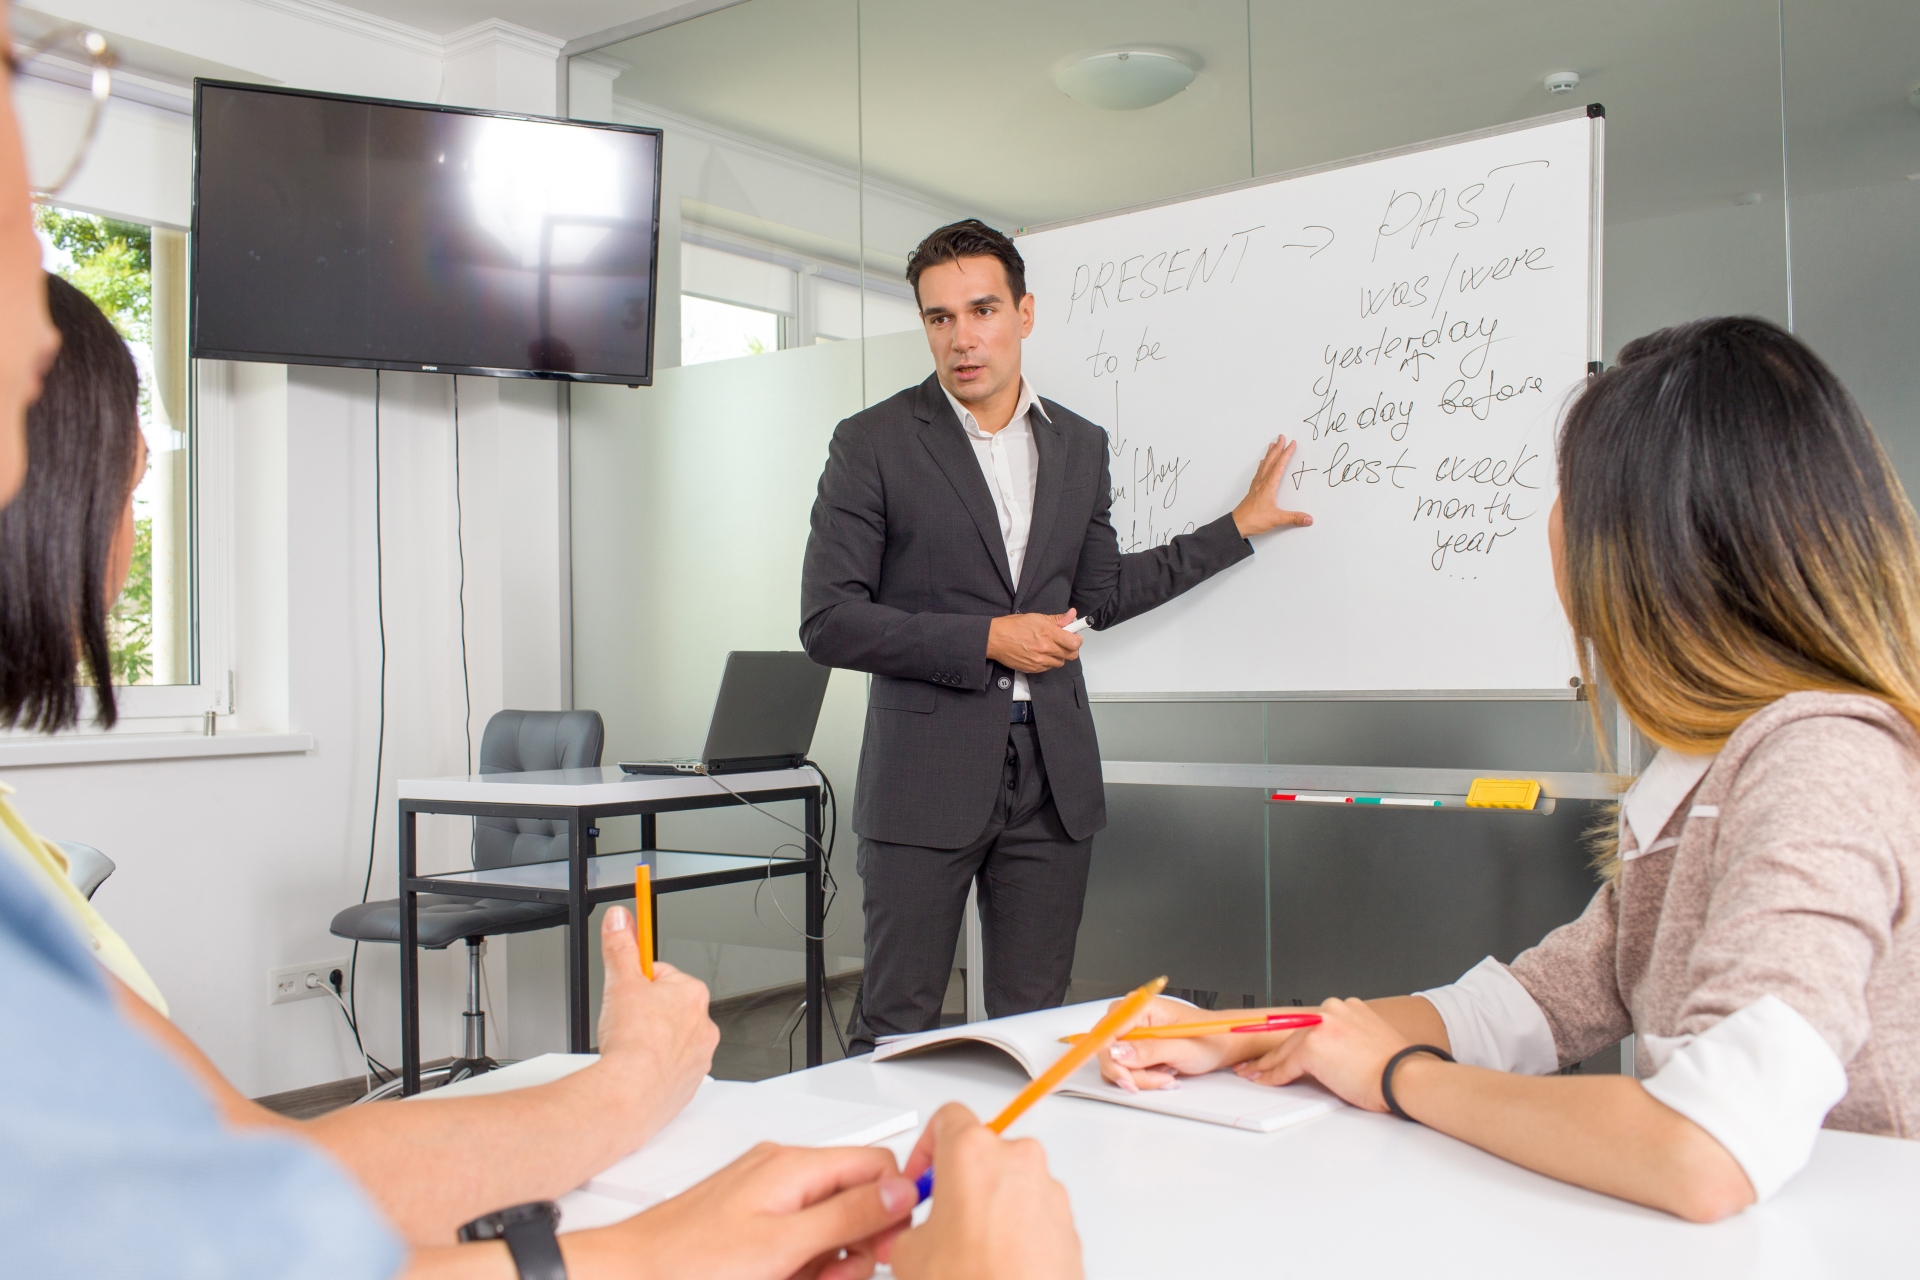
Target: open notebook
(725, 1120)
(1033, 1041)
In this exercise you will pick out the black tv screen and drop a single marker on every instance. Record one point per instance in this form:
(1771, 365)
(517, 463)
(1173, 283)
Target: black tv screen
(395, 235)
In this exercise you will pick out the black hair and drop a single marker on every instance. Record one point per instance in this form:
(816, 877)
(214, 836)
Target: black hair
(969, 239)
(1734, 533)
(57, 535)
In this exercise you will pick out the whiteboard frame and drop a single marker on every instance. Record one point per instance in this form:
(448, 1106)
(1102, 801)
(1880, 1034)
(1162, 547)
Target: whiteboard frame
(1596, 115)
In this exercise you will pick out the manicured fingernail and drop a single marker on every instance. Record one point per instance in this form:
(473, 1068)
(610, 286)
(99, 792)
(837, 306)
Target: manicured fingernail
(1126, 1082)
(618, 920)
(897, 1195)
(1123, 1053)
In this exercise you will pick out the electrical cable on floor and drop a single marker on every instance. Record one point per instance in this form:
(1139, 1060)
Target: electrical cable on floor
(380, 740)
(834, 1019)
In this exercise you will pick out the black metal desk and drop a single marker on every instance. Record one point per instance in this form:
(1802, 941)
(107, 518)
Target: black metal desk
(581, 798)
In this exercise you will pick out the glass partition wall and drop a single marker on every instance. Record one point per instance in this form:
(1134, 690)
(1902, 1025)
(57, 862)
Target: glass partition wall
(812, 143)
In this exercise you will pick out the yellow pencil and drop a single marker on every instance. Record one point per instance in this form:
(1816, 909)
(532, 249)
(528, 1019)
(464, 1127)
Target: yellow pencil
(643, 916)
(1103, 1034)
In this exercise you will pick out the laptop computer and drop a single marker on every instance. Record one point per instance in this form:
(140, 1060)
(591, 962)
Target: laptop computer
(764, 717)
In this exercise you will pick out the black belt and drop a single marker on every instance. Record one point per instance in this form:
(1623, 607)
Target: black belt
(1022, 713)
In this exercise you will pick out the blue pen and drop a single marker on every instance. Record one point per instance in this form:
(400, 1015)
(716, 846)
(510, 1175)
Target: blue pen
(924, 1185)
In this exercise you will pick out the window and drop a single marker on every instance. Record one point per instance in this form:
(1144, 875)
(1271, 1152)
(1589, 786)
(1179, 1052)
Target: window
(837, 311)
(137, 274)
(712, 330)
(740, 299)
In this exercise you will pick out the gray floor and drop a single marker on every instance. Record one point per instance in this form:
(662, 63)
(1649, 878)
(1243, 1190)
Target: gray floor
(762, 1036)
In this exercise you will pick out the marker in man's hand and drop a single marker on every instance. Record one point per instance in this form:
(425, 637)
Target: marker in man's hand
(1078, 625)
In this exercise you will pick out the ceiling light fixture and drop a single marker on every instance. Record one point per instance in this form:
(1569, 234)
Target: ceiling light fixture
(1125, 79)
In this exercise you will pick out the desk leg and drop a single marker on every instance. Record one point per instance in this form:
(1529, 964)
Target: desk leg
(409, 962)
(579, 916)
(816, 934)
(649, 831)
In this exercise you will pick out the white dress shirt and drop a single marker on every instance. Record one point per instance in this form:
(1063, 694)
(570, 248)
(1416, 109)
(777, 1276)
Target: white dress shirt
(1010, 460)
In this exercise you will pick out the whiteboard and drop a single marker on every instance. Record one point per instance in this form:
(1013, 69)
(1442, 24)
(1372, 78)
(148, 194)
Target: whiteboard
(1419, 320)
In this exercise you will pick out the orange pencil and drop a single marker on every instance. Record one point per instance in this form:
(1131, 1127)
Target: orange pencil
(1103, 1034)
(643, 916)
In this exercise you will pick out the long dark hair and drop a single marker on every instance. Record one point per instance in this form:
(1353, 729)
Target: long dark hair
(56, 536)
(1734, 533)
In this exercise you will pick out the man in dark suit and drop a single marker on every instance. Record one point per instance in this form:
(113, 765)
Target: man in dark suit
(960, 526)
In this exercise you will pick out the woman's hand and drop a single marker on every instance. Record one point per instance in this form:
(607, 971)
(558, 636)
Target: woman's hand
(1158, 1064)
(1346, 1053)
(997, 1213)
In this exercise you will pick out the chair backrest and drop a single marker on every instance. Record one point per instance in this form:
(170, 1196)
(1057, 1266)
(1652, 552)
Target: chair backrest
(87, 867)
(528, 742)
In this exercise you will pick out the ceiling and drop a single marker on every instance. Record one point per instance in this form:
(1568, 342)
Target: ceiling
(562, 19)
(960, 103)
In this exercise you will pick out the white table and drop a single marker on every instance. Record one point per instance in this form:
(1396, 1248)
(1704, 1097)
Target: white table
(1355, 1194)
(582, 880)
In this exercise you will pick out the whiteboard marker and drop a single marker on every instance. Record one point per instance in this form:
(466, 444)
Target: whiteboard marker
(1411, 802)
(1078, 625)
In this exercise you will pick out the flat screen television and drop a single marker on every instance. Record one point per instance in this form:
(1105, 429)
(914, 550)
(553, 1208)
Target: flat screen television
(398, 235)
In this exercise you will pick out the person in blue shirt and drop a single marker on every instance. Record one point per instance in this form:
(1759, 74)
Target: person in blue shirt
(109, 1154)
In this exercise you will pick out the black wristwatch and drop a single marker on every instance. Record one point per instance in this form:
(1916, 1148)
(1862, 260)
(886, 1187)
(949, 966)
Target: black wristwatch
(528, 1231)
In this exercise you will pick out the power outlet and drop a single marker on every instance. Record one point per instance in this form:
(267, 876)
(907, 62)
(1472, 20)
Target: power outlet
(302, 981)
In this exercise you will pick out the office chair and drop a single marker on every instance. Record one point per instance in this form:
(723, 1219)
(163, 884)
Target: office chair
(514, 742)
(87, 867)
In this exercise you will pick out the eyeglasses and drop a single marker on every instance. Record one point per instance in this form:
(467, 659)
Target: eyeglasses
(57, 142)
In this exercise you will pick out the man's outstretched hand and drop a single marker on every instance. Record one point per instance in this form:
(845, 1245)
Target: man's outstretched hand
(1260, 510)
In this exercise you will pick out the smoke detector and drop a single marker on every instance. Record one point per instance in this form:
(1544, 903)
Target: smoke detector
(1562, 81)
(1124, 79)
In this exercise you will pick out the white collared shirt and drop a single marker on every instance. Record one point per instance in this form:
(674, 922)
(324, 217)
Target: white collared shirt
(1649, 803)
(1010, 460)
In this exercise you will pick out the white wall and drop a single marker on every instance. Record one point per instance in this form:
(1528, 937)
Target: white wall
(1856, 289)
(229, 867)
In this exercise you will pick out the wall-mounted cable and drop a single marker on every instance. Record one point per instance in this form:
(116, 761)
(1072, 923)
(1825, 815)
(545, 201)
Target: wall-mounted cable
(380, 739)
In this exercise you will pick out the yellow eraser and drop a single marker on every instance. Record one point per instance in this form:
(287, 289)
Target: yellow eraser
(1503, 793)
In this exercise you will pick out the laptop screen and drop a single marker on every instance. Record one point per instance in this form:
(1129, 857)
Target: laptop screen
(768, 707)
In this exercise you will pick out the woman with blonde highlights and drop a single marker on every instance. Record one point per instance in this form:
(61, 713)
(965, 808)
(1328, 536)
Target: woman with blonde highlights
(1739, 563)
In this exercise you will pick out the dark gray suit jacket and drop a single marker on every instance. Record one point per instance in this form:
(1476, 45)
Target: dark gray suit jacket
(905, 570)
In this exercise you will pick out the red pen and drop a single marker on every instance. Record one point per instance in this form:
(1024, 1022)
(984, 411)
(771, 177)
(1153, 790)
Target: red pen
(1280, 1022)
(1220, 1026)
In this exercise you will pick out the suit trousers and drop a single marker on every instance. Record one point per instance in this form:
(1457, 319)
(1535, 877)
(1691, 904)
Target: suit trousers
(1033, 883)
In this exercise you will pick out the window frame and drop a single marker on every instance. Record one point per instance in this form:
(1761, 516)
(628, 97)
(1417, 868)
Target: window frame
(801, 328)
(182, 708)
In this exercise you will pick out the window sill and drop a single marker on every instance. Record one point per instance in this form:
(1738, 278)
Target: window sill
(103, 747)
